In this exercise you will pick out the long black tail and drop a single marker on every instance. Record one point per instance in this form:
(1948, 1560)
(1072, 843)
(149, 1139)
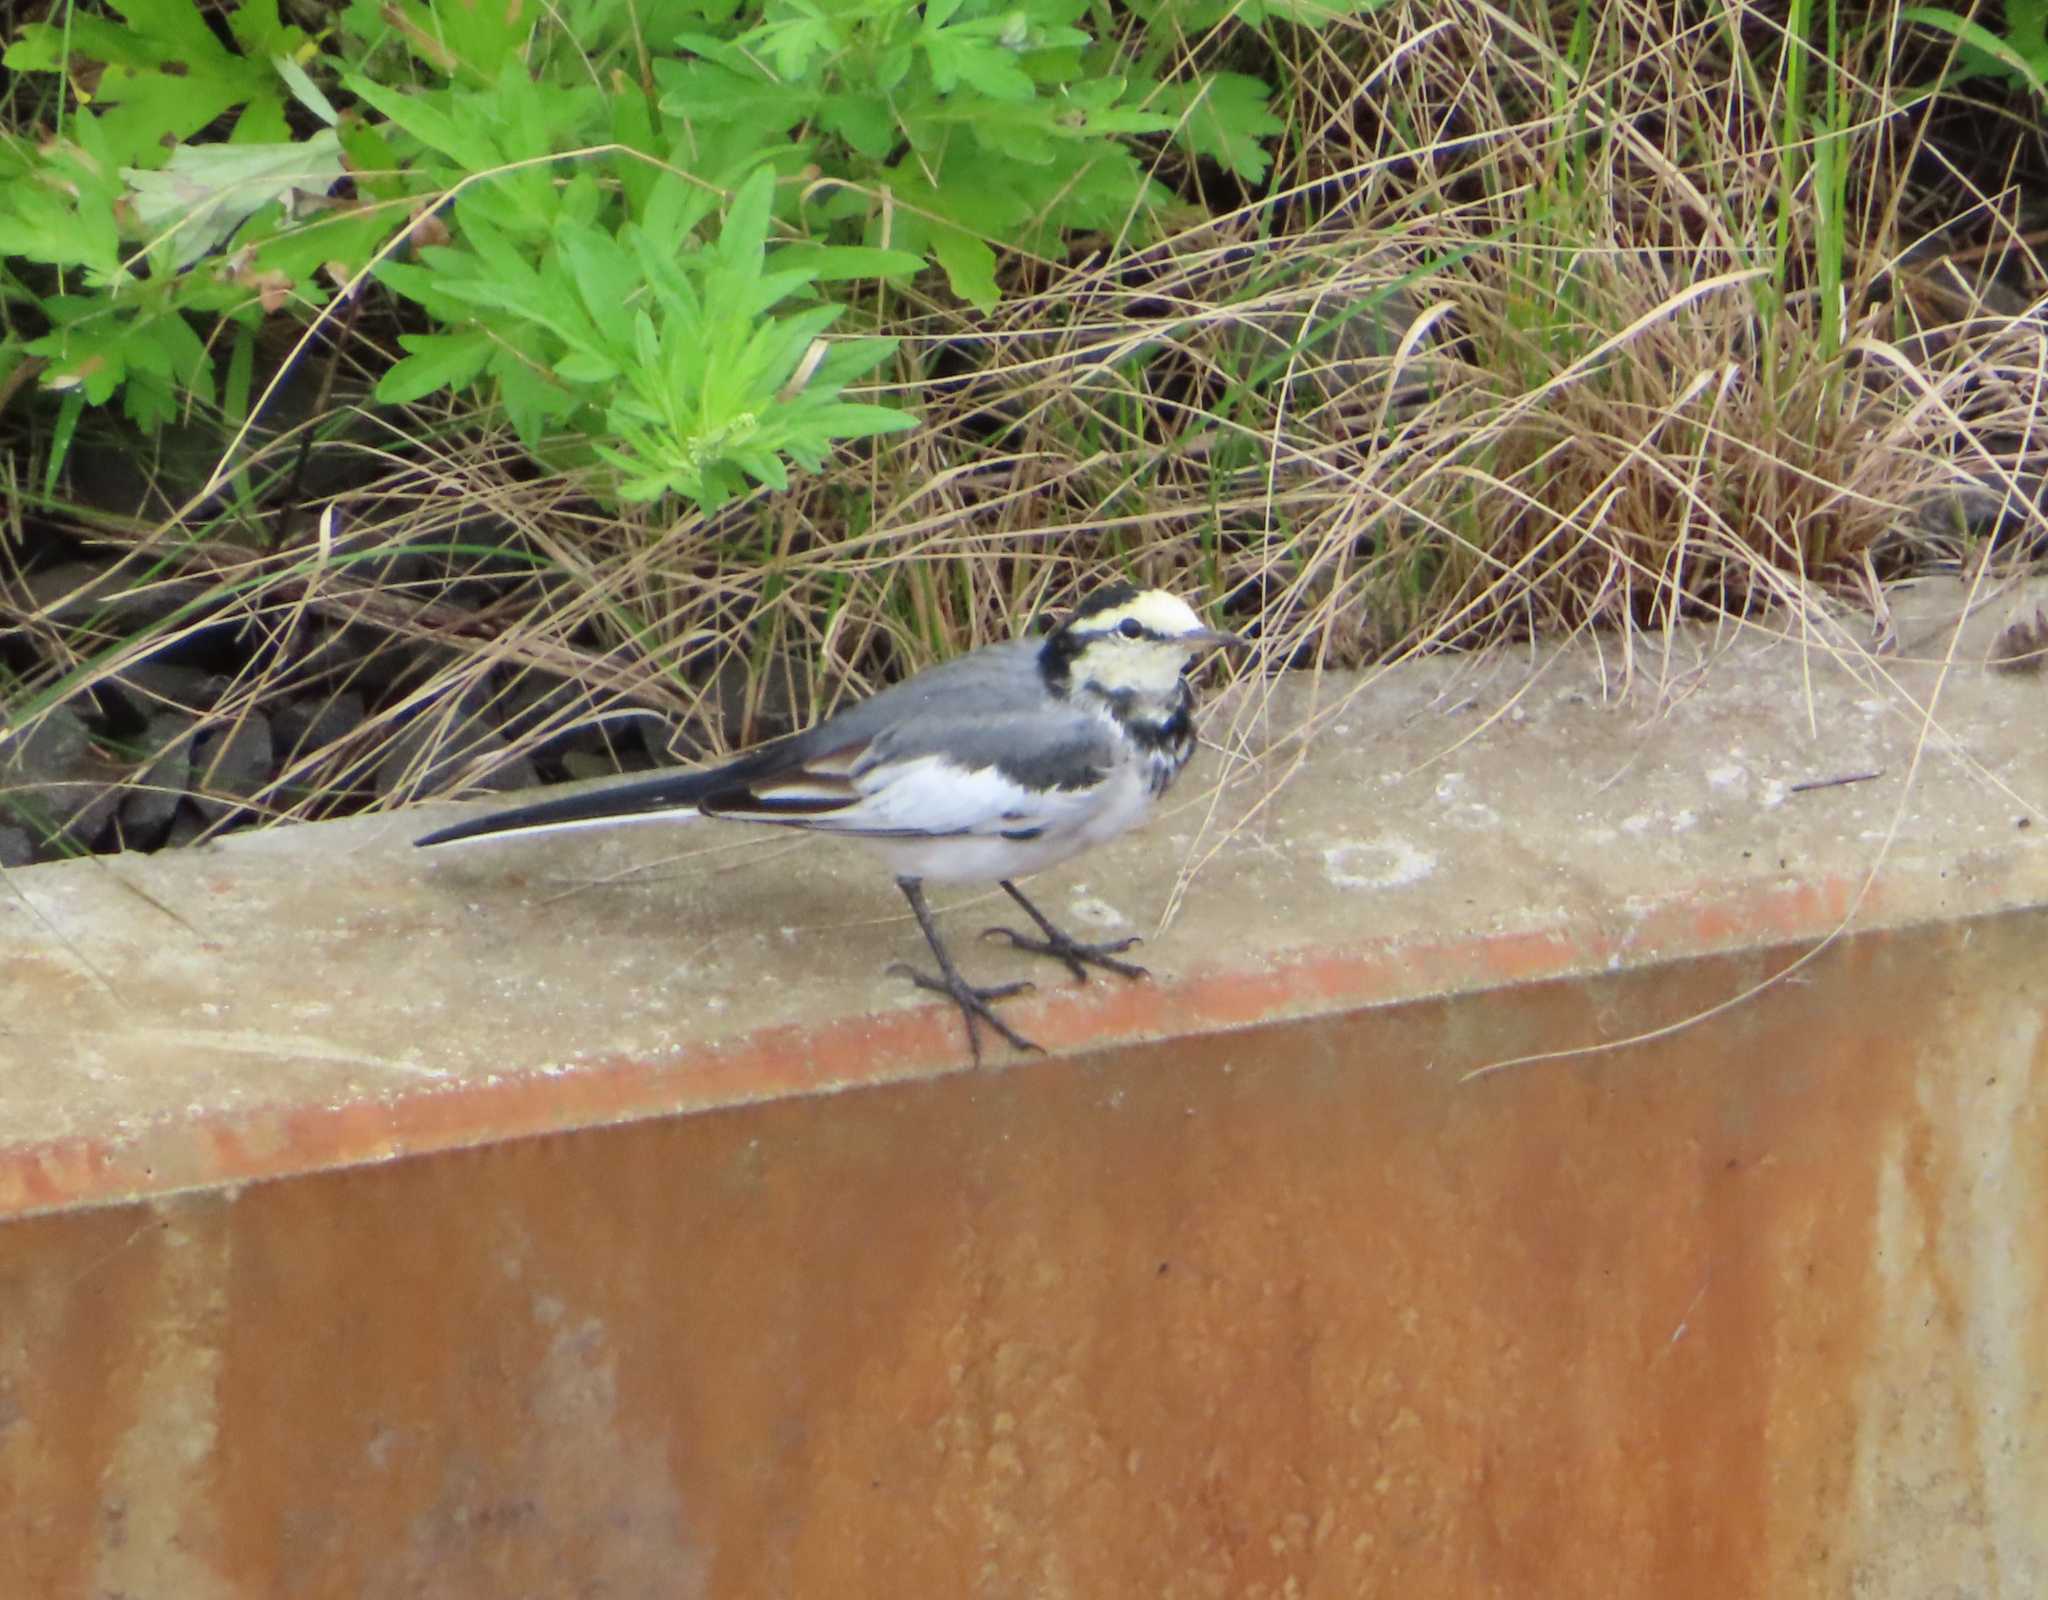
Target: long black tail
(638, 800)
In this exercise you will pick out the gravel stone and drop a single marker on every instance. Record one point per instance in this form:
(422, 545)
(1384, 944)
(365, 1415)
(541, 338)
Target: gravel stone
(186, 827)
(152, 686)
(152, 799)
(551, 717)
(302, 726)
(433, 753)
(231, 764)
(73, 589)
(52, 778)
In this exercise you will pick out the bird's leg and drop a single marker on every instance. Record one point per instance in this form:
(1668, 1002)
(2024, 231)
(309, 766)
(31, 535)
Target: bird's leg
(1064, 946)
(973, 1002)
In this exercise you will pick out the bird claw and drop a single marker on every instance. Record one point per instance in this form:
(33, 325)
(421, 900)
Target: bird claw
(1077, 955)
(974, 1003)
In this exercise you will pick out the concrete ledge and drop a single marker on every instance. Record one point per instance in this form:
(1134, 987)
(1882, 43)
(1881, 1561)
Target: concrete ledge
(1246, 1289)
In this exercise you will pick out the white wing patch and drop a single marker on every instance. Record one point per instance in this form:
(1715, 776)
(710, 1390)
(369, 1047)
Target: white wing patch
(930, 795)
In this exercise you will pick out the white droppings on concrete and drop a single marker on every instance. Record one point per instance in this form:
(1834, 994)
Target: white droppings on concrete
(1377, 864)
(1774, 794)
(1461, 811)
(1731, 776)
(1096, 912)
(1647, 822)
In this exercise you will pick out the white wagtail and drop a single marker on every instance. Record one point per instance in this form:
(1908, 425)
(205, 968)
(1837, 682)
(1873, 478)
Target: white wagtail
(999, 763)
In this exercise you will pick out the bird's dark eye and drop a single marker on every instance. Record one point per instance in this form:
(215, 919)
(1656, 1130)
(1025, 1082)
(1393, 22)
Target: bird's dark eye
(1131, 628)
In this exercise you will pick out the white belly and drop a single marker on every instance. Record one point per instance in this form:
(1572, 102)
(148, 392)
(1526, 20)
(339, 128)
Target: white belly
(1079, 824)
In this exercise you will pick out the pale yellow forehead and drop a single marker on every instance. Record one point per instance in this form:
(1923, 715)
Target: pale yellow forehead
(1160, 612)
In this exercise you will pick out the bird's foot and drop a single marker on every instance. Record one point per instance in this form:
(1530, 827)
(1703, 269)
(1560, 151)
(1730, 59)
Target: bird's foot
(1078, 956)
(973, 1003)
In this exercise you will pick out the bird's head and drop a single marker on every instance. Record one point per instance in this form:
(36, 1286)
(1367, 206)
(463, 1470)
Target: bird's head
(1126, 642)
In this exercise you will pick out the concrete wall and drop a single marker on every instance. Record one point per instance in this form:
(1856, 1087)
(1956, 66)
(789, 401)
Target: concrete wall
(399, 1230)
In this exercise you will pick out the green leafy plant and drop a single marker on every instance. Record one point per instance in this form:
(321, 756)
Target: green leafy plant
(945, 127)
(2020, 56)
(674, 350)
(117, 226)
(491, 164)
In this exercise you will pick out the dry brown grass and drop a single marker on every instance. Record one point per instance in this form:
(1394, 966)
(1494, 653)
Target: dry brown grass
(1539, 332)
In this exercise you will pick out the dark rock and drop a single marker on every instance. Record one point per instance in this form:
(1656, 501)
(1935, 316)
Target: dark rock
(367, 659)
(305, 725)
(111, 467)
(188, 827)
(232, 764)
(17, 849)
(548, 717)
(72, 590)
(47, 750)
(436, 753)
(1979, 505)
(53, 781)
(153, 796)
(756, 706)
(152, 684)
(578, 764)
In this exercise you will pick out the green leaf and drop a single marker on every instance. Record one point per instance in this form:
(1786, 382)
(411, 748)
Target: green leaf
(464, 38)
(39, 47)
(708, 91)
(867, 122)
(586, 366)
(435, 361)
(240, 382)
(43, 228)
(178, 25)
(985, 65)
(605, 276)
(674, 210)
(969, 264)
(792, 45)
(1990, 48)
(849, 359)
(532, 402)
(847, 419)
(262, 121)
(205, 192)
(1224, 116)
(305, 90)
(83, 363)
(837, 263)
(746, 222)
(465, 142)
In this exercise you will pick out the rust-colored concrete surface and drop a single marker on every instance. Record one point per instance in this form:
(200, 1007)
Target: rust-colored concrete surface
(1286, 1311)
(389, 1228)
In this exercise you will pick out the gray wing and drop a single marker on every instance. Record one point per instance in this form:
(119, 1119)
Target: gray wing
(996, 678)
(1052, 746)
(971, 756)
